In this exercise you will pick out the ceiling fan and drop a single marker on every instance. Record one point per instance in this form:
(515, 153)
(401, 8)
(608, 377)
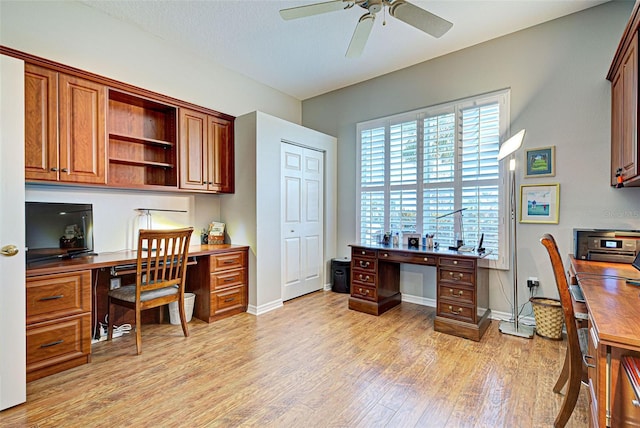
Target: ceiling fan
(400, 9)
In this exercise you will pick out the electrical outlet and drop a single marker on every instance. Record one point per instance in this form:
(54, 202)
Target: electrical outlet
(115, 283)
(533, 282)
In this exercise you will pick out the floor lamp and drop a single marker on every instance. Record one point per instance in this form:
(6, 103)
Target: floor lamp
(508, 148)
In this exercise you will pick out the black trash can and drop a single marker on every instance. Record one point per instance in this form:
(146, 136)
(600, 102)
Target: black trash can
(340, 275)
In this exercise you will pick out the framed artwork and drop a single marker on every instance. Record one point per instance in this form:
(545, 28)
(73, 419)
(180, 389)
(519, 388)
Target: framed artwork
(539, 203)
(541, 162)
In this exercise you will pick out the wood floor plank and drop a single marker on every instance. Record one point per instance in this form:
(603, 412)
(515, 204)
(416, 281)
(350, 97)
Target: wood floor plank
(312, 363)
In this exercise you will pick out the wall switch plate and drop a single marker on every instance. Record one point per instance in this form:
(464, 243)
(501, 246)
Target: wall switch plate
(114, 283)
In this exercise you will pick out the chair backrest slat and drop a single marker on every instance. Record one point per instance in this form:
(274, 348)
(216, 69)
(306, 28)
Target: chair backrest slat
(162, 257)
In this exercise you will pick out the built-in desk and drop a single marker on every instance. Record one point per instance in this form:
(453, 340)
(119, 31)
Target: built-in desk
(613, 308)
(462, 289)
(65, 299)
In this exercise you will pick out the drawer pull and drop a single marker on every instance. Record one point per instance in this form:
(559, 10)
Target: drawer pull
(229, 299)
(455, 262)
(228, 279)
(48, 345)
(386, 254)
(588, 357)
(364, 252)
(364, 264)
(363, 291)
(457, 277)
(426, 259)
(459, 293)
(228, 262)
(454, 312)
(366, 278)
(59, 296)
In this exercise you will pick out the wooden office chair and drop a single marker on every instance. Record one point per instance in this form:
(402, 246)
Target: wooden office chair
(572, 369)
(160, 277)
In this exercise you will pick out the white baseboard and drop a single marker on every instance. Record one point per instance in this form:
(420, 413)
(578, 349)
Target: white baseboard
(263, 309)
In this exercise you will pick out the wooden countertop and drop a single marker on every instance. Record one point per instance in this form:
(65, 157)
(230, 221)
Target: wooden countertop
(114, 258)
(614, 305)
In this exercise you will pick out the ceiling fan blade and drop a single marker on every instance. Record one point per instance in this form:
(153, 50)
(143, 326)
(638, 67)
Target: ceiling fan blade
(312, 9)
(360, 35)
(419, 18)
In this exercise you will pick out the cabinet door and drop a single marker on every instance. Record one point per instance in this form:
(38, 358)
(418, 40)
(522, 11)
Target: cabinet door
(82, 130)
(193, 150)
(630, 110)
(617, 112)
(41, 123)
(221, 168)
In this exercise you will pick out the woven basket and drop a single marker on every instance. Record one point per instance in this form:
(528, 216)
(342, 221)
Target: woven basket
(549, 317)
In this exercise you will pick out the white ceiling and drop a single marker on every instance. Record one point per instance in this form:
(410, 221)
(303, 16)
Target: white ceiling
(305, 57)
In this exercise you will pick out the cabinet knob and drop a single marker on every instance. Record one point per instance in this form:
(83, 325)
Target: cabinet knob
(65, 170)
(54, 169)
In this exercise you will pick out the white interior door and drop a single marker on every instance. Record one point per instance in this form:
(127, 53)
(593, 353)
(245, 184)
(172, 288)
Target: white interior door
(13, 384)
(302, 196)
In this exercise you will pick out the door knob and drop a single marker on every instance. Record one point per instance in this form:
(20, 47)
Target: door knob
(9, 250)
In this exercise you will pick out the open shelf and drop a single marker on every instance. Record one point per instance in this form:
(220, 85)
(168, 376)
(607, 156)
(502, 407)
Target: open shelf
(142, 141)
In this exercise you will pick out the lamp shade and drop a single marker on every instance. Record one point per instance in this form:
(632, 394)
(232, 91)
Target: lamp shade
(511, 145)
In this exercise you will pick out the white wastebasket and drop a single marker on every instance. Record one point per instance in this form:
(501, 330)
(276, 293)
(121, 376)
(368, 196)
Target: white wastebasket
(174, 312)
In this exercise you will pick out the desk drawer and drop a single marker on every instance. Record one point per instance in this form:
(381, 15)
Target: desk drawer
(407, 257)
(364, 264)
(225, 279)
(453, 310)
(364, 292)
(456, 294)
(226, 261)
(363, 252)
(58, 340)
(58, 295)
(457, 263)
(458, 277)
(227, 300)
(364, 278)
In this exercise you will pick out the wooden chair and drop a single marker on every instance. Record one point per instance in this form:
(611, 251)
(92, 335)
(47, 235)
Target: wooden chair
(160, 277)
(573, 368)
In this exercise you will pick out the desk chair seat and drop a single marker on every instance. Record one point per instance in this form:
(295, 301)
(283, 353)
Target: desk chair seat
(160, 277)
(573, 369)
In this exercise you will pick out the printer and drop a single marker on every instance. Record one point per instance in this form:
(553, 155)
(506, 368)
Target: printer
(618, 246)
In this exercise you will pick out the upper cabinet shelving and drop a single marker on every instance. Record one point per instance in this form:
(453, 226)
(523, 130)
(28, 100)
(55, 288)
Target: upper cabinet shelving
(85, 129)
(142, 142)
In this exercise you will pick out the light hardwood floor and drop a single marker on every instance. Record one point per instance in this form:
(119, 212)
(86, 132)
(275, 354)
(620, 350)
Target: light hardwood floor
(313, 363)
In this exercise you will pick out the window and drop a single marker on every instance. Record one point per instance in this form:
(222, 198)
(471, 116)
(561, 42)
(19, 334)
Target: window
(416, 167)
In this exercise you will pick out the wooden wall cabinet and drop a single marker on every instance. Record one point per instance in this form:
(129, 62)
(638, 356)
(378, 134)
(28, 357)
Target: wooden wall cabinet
(58, 322)
(206, 152)
(624, 107)
(220, 284)
(142, 142)
(64, 127)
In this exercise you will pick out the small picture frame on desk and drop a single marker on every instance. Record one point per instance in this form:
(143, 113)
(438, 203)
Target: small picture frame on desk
(411, 240)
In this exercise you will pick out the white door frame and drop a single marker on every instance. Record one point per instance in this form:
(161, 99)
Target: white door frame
(13, 383)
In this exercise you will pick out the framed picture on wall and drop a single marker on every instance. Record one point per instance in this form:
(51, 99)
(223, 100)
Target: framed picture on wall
(540, 203)
(541, 162)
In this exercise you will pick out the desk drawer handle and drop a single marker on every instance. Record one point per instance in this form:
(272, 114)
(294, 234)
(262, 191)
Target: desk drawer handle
(363, 291)
(386, 254)
(364, 253)
(454, 312)
(229, 299)
(455, 262)
(59, 296)
(229, 279)
(457, 277)
(459, 293)
(366, 278)
(364, 264)
(229, 262)
(588, 357)
(426, 259)
(48, 345)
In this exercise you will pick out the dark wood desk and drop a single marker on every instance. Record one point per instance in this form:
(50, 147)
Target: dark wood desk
(613, 307)
(66, 299)
(462, 289)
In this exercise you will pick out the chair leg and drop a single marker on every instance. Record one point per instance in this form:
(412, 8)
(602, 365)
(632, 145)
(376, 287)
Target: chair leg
(183, 317)
(110, 320)
(564, 374)
(571, 396)
(138, 331)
